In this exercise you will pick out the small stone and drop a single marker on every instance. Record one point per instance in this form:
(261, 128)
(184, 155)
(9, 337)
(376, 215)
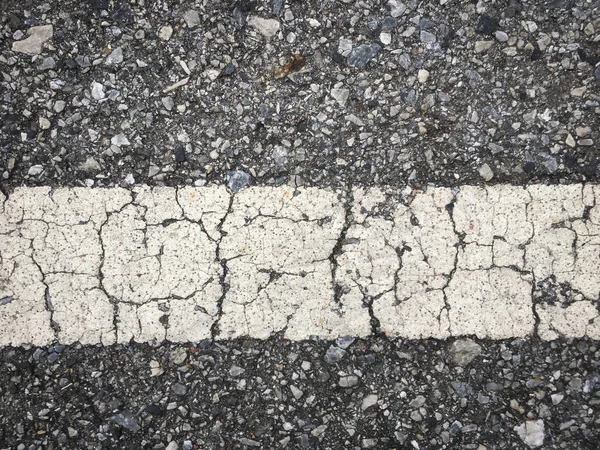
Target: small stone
(236, 371)
(463, 351)
(35, 170)
(487, 25)
(549, 162)
(340, 96)
(531, 432)
(59, 106)
(344, 46)
(385, 38)
(423, 75)
(570, 141)
(582, 131)
(267, 27)
(168, 103)
(396, 8)
(486, 172)
(98, 91)
(348, 381)
(165, 33)
(52, 357)
(578, 92)
(280, 155)
(237, 180)
(557, 398)
(172, 446)
(192, 18)
(334, 354)
(369, 442)
(427, 37)
(44, 123)
(597, 73)
(47, 64)
(585, 142)
(90, 165)
(38, 36)
(297, 393)
(360, 56)
(510, 51)
(344, 342)
(129, 179)
(179, 389)
(501, 36)
(482, 46)
(126, 420)
(119, 140)
(180, 153)
(417, 402)
(115, 57)
(369, 401)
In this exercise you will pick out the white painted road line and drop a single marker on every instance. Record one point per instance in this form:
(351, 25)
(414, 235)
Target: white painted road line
(111, 265)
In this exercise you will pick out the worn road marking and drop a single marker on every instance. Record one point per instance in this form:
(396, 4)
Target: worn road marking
(112, 265)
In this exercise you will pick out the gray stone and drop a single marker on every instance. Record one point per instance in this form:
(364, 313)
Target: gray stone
(427, 37)
(115, 57)
(47, 64)
(486, 172)
(35, 170)
(334, 354)
(361, 55)
(237, 180)
(344, 342)
(236, 371)
(348, 381)
(179, 389)
(369, 401)
(126, 420)
(463, 351)
(192, 18)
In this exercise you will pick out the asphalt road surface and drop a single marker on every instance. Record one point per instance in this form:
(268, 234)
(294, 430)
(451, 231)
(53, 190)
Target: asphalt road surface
(299, 224)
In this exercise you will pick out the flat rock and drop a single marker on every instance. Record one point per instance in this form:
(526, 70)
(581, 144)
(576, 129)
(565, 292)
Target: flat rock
(32, 45)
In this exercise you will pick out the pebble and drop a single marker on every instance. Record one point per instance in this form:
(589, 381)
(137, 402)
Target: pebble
(360, 56)
(501, 36)
(369, 401)
(532, 433)
(179, 389)
(192, 18)
(340, 96)
(570, 141)
(59, 106)
(47, 64)
(44, 123)
(33, 44)
(98, 91)
(126, 420)
(348, 381)
(267, 27)
(486, 172)
(423, 75)
(236, 371)
(483, 46)
(180, 153)
(172, 446)
(115, 57)
(237, 180)
(334, 354)
(427, 37)
(119, 140)
(165, 33)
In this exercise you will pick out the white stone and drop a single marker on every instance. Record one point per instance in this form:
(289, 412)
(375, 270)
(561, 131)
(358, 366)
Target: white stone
(531, 432)
(33, 44)
(340, 96)
(266, 27)
(486, 172)
(165, 33)
(192, 18)
(119, 140)
(115, 57)
(423, 75)
(44, 123)
(98, 91)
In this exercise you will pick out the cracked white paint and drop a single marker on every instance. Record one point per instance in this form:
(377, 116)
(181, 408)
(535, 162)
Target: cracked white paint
(112, 265)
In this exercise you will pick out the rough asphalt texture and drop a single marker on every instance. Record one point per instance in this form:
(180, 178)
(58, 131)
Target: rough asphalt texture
(273, 394)
(319, 92)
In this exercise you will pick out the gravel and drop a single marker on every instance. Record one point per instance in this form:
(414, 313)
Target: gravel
(516, 394)
(355, 92)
